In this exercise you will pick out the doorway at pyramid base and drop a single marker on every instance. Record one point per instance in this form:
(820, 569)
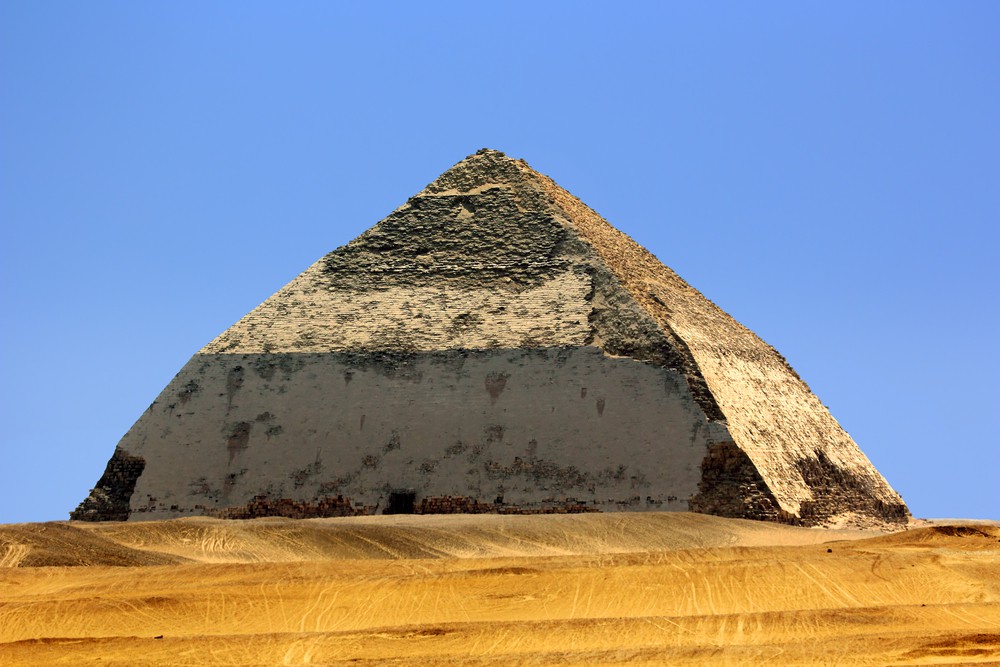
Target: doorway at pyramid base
(513, 431)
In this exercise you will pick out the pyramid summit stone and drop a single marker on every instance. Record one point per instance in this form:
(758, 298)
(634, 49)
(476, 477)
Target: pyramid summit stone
(493, 345)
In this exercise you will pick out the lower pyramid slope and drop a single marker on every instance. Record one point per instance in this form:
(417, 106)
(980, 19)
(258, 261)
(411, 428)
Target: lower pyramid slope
(493, 345)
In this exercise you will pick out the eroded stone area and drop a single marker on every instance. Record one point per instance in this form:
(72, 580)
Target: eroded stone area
(307, 317)
(731, 486)
(840, 496)
(109, 500)
(474, 239)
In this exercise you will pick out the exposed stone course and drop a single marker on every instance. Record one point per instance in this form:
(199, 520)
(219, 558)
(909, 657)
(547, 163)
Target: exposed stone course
(466, 505)
(109, 500)
(262, 506)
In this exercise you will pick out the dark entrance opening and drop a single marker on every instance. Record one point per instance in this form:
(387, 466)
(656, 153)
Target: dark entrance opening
(401, 502)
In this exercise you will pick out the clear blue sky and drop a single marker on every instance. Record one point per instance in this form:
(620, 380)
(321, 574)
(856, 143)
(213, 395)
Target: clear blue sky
(828, 173)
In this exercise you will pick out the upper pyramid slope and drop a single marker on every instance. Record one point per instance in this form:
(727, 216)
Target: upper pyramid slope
(483, 268)
(493, 337)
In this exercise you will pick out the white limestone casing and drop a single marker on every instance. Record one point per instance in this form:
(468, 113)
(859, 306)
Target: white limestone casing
(528, 425)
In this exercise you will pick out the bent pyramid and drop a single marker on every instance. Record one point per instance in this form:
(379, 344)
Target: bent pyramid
(493, 345)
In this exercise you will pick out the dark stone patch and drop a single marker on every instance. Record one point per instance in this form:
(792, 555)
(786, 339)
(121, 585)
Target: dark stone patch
(541, 473)
(495, 384)
(201, 487)
(835, 489)
(230, 481)
(264, 506)
(393, 443)
(732, 487)
(299, 477)
(234, 381)
(109, 500)
(494, 433)
(477, 239)
(239, 438)
(268, 364)
(456, 449)
(464, 323)
(394, 364)
(190, 389)
(265, 367)
(337, 483)
(469, 505)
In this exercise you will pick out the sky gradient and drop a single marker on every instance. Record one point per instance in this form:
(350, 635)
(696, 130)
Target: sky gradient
(827, 173)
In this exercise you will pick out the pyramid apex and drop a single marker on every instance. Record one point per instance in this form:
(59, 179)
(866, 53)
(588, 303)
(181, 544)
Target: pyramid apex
(484, 167)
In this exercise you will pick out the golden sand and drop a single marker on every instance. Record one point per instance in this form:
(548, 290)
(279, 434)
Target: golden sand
(646, 589)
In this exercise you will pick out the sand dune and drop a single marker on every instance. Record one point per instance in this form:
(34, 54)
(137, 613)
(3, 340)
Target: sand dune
(55, 544)
(469, 590)
(387, 537)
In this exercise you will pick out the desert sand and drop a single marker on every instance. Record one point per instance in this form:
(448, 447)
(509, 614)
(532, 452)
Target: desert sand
(642, 589)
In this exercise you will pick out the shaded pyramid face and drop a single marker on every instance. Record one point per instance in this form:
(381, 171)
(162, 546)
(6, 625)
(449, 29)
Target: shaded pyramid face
(493, 345)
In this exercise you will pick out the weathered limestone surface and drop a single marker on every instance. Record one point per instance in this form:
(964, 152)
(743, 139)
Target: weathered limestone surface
(492, 345)
(533, 426)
